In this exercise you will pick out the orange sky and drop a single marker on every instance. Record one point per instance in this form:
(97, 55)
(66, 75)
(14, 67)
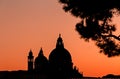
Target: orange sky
(32, 24)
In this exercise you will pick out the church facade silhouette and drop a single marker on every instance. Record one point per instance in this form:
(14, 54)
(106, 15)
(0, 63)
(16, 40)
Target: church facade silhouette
(58, 65)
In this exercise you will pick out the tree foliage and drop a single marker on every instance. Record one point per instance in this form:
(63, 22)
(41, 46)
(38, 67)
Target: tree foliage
(96, 24)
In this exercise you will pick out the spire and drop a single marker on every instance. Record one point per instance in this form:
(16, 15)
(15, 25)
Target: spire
(59, 42)
(30, 53)
(59, 35)
(41, 52)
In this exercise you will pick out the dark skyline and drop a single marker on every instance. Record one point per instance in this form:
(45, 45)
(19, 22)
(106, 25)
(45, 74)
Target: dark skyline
(28, 24)
(58, 65)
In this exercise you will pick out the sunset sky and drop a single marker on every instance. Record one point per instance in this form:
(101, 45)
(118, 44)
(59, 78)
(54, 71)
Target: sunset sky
(32, 24)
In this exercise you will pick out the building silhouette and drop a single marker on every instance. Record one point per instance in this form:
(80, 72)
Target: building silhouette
(59, 64)
(60, 60)
(41, 63)
(30, 61)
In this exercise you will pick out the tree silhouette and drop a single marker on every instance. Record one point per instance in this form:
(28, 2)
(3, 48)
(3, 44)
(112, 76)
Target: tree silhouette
(96, 22)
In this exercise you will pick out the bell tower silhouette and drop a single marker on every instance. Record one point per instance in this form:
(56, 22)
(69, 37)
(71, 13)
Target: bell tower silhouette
(30, 61)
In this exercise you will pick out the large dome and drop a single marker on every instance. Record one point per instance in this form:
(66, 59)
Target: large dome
(60, 54)
(60, 60)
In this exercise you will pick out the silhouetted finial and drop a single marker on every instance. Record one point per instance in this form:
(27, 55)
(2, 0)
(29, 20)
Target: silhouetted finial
(30, 50)
(41, 52)
(59, 35)
(59, 42)
(41, 49)
(30, 53)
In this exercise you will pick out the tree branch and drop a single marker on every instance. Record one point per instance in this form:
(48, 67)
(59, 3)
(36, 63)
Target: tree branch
(114, 36)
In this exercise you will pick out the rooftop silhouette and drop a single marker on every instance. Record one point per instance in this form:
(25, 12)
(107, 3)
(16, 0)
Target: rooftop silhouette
(59, 65)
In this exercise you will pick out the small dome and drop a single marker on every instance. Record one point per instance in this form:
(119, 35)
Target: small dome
(41, 62)
(41, 58)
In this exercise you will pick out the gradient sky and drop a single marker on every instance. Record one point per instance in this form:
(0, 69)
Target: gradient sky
(32, 24)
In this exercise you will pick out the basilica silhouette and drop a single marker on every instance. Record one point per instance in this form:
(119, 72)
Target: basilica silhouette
(59, 65)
